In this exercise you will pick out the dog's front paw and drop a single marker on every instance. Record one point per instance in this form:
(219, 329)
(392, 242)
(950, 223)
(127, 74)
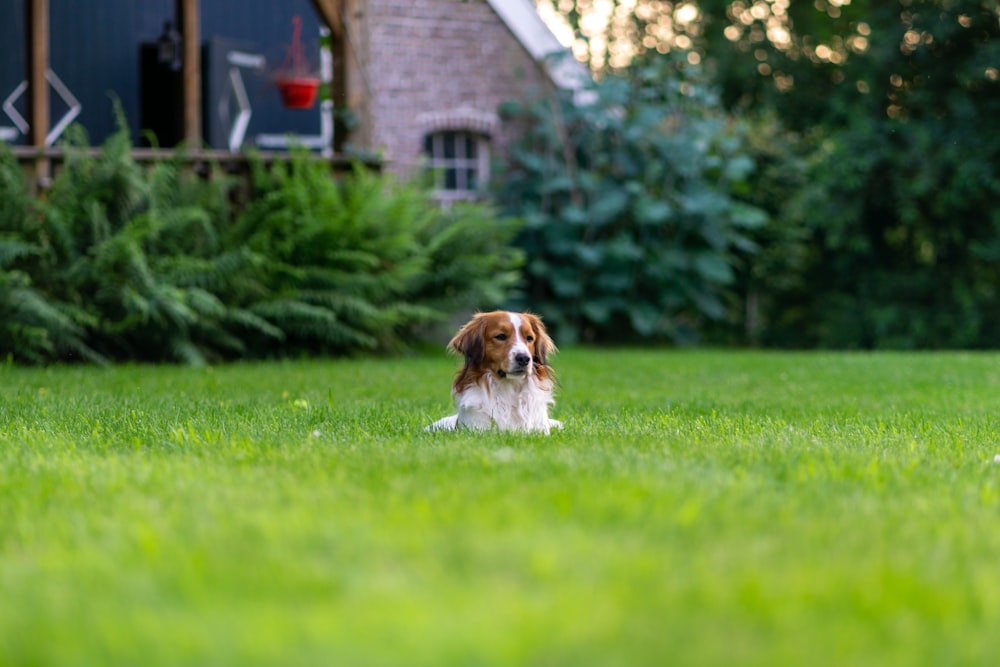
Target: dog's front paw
(446, 424)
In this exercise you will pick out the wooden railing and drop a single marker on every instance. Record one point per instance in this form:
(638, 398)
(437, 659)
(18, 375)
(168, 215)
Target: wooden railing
(41, 165)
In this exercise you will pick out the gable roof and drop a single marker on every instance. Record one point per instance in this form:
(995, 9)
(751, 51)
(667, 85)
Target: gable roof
(523, 21)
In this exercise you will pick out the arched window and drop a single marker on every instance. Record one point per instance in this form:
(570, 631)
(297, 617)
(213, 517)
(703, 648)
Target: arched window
(459, 161)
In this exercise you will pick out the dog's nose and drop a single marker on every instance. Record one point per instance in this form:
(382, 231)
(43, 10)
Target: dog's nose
(521, 359)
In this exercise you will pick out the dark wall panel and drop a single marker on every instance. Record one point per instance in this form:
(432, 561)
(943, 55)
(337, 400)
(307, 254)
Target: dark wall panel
(12, 63)
(95, 51)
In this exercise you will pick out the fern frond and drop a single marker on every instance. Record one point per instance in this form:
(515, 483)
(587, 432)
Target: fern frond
(306, 321)
(187, 352)
(13, 248)
(36, 330)
(253, 323)
(214, 274)
(202, 303)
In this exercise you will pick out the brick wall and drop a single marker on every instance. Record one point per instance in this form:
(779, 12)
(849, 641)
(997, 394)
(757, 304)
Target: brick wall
(428, 57)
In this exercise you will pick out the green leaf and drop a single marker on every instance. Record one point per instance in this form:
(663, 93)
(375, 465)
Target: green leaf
(713, 267)
(574, 215)
(653, 211)
(747, 217)
(608, 206)
(739, 168)
(645, 318)
(591, 254)
(598, 310)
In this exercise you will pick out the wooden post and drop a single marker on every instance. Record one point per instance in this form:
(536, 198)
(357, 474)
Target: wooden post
(38, 86)
(190, 27)
(338, 91)
(38, 65)
(331, 12)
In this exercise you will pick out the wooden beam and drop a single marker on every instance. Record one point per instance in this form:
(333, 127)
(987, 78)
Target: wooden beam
(355, 82)
(338, 89)
(188, 18)
(331, 13)
(38, 65)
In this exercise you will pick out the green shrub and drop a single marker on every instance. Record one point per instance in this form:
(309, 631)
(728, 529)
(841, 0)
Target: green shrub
(128, 262)
(119, 236)
(33, 326)
(364, 263)
(898, 204)
(634, 206)
(759, 312)
(901, 249)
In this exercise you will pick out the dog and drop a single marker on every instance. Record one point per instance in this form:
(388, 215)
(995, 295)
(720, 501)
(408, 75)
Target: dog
(506, 382)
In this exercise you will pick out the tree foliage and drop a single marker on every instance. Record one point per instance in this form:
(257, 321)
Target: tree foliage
(899, 205)
(886, 117)
(633, 208)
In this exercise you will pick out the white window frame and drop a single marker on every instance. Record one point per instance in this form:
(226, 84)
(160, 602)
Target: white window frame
(461, 164)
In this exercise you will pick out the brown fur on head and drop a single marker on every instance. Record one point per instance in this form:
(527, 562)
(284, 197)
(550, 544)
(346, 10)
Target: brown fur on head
(485, 343)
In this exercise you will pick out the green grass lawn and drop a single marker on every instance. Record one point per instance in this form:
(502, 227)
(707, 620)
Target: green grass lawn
(705, 508)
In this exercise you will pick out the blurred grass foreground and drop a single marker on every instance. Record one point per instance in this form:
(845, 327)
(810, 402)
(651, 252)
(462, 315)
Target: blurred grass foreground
(708, 508)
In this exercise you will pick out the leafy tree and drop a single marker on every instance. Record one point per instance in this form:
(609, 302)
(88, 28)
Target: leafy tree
(889, 116)
(900, 201)
(633, 206)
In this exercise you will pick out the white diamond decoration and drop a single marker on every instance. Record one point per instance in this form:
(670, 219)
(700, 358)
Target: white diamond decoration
(8, 107)
(242, 119)
(71, 113)
(238, 130)
(73, 107)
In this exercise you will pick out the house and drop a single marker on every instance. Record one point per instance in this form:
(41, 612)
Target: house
(416, 82)
(438, 70)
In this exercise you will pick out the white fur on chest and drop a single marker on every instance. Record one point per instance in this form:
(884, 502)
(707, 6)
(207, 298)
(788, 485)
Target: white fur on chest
(518, 406)
(503, 404)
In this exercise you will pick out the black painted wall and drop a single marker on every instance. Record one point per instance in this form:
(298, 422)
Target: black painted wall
(95, 51)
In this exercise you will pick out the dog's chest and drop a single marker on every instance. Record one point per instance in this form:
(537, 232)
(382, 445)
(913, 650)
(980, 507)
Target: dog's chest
(511, 405)
(524, 405)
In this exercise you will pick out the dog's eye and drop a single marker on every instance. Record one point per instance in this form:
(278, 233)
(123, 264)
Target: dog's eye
(530, 338)
(501, 336)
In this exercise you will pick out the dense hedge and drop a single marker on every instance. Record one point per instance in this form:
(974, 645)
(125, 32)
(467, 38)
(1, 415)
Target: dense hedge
(636, 205)
(125, 262)
(653, 213)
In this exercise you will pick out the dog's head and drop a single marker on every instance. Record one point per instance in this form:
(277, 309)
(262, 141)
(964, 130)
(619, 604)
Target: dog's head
(509, 345)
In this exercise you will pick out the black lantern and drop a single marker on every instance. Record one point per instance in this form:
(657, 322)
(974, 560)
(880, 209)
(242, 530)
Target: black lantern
(168, 47)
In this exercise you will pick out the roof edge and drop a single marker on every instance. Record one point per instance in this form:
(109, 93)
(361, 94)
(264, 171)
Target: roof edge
(523, 21)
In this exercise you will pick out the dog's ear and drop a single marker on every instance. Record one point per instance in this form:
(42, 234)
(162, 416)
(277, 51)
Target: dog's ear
(543, 343)
(468, 342)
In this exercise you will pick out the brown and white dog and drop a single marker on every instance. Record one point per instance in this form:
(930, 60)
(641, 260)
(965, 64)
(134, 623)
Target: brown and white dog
(506, 382)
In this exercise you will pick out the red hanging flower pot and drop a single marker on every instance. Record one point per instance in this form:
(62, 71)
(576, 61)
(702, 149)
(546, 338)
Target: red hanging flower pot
(295, 82)
(298, 93)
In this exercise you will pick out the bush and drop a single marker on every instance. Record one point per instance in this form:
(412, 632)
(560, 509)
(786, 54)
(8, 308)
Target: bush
(898, 204)
(33, 326)
(366, 263)
(124, 262)
(760, 313)
(901, 250)
(634, 204)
